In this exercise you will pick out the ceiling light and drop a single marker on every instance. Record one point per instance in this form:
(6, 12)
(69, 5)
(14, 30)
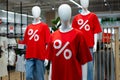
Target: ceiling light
(106, 4)
(53, 8)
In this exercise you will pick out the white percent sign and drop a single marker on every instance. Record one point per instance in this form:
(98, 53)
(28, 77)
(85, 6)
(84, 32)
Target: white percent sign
(33, 35)
(58, 44)
(84, 24)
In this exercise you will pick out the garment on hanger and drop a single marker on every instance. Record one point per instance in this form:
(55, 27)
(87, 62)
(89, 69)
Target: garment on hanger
(3, 65)
(12, 57)
(20, 64)
(4, 56)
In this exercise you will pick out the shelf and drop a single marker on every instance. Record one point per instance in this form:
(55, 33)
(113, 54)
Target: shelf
(11, 35)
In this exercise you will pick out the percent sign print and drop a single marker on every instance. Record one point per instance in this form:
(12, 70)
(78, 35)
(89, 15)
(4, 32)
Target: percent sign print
(84, 24)
(33, 34)
(58, 44)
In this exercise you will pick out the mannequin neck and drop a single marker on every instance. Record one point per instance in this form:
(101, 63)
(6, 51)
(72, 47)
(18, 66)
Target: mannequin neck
(65, 26)
(85, 11)
(36, 21)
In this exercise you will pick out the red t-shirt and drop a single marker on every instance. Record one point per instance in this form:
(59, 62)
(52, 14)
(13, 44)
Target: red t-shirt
(89, 25)
(68, 51)
(36, 37)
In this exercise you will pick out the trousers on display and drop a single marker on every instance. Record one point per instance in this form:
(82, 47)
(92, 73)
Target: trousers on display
(34, 69)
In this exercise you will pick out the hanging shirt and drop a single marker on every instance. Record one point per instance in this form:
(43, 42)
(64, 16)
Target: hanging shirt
(89, 25)
(20, 64)
(36, 37)
(67, 51)
(3, 65)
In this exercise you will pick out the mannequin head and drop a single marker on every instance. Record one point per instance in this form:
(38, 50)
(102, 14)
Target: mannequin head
(84, 3)
(64, 12)
(36, 12)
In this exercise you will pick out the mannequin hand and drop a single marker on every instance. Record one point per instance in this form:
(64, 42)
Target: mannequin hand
(94, 48)
(45, 62)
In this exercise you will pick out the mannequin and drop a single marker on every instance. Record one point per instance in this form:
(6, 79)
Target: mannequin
(36, 38)
(67, 49)
(36, 11)
(65, 19)
(88, 23)
(85, 11)
(85, 4)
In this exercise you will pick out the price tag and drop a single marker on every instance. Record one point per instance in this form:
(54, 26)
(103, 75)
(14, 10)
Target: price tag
(21, 46)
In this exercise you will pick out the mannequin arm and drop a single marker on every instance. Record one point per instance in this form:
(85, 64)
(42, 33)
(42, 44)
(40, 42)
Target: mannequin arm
(46, 60)
(95, 43)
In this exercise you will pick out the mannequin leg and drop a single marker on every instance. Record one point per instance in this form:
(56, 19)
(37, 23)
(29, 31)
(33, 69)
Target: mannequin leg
(39, 70)
(29, 69)
(50, 72)
(90, 67)
(84, 72)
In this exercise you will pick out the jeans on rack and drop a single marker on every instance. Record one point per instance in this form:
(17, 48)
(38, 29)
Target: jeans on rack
(34, 69)
(105, 65)
(90, 67)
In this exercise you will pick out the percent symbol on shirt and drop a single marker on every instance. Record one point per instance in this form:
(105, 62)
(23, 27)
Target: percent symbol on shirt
(58, 45)
(33, 34)
(84, 24)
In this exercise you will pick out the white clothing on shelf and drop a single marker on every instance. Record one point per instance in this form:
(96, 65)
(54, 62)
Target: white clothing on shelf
(20, 64)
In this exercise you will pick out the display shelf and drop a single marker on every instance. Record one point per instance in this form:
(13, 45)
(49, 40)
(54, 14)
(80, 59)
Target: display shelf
(11, 35)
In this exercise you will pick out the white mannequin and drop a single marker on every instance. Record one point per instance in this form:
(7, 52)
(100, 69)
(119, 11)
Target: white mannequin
(65, 22)
(65, 17)
(36, 12)
(85, 11)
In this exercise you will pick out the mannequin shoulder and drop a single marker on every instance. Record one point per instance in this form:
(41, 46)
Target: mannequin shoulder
(77, 15)
(43, 23)
(55, 33)
(76, 31)
(29, 25)
(93, 14)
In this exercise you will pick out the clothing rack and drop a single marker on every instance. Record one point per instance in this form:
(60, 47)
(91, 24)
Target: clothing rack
(13, 35)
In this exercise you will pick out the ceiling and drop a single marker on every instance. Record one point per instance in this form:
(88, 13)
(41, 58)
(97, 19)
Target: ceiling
(25, 6)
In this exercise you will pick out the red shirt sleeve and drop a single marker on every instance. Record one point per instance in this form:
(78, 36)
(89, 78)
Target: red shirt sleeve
(74, 23)
(49, 49)
(25, 36)
(97, 28)
(47, 33)
(84, 54)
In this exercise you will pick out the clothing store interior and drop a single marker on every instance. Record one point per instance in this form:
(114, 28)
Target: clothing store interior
(59, 39)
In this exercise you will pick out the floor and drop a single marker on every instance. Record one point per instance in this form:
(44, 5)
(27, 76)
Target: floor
(14, 75)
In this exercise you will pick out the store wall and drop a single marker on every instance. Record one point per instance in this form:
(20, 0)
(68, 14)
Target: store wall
(49, 17)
